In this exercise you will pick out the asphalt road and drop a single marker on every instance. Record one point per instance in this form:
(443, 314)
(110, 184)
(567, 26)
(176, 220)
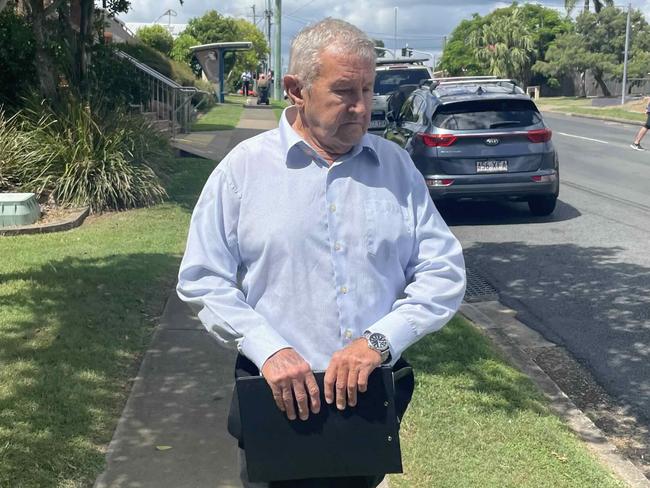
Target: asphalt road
(581, 276)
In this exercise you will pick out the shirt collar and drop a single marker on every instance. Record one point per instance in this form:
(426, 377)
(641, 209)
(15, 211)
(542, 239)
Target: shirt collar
(289, 139)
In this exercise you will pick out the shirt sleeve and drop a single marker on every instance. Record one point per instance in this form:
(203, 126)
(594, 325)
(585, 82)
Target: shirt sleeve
(435, 277)
(207, 278)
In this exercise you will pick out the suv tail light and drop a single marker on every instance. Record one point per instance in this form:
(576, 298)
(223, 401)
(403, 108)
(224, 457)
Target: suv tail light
(539, 135)
(437, 140)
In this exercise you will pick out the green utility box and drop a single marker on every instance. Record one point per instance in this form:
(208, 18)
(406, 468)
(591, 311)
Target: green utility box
(18, 209)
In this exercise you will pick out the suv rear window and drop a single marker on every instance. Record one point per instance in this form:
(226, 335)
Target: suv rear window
(389, 80)
(486, 114)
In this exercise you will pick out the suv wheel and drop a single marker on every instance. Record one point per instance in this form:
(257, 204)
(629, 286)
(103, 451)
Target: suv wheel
(542, 205)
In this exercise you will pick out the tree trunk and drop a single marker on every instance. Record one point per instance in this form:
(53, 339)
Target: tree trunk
(87, 8)
(43, 61)
(602, 85)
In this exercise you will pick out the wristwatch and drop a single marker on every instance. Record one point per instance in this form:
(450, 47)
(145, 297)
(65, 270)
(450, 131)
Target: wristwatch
(379, 343)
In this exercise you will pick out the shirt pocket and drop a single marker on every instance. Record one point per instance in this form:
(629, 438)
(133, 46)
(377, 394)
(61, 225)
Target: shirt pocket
(386, 227)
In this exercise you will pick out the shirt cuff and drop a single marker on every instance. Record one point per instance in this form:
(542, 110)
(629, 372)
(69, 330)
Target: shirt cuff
(398, 331)
(261, 343)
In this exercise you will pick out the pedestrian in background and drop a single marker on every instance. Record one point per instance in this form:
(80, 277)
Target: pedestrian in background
(316, 246)
(246, 82)
(642, 131)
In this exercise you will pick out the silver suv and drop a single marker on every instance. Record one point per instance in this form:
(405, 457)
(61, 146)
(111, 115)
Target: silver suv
(391, 74)
(478, 138)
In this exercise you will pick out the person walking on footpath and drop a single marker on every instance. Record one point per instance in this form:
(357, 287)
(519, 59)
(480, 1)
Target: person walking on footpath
(316, 246)
(246, 78)
(642, 131)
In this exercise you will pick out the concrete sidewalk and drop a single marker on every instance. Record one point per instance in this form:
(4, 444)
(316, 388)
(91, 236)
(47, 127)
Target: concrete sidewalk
(172, 432)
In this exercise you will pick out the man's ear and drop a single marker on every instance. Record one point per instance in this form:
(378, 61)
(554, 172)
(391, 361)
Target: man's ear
(293, 87)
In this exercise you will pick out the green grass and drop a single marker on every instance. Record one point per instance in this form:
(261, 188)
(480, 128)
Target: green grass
(631, 111)
(476, 421)
(76, 312)
(221, 117)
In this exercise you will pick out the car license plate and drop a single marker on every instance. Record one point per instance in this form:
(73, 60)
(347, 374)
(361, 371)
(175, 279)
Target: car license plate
(377, 124)
(491, 166)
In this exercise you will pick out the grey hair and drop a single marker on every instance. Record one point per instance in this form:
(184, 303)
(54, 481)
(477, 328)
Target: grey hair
(307, 46)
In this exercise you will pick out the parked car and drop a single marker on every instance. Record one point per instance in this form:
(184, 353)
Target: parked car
(480, 139)
(391, 74)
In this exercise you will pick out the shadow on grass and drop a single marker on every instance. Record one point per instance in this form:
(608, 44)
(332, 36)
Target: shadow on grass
(459, 351)
(79, 326)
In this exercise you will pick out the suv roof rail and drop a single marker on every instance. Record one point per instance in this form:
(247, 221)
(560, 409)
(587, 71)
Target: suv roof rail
(383, 61)
(481, 82)
(466, 78)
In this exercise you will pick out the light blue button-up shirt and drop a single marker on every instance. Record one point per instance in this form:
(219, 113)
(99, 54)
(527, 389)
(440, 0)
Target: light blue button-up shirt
(286, 251)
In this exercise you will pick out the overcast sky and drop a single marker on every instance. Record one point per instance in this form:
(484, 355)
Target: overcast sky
(420, 23)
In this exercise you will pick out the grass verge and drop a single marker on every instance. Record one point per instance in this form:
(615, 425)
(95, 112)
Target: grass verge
(221, 117)
(476, 421)
(76, 312)
(278, 107)
(633, 111)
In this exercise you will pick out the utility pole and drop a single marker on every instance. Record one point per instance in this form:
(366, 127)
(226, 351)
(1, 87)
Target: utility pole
(627, 47)
(277, 52)
(267, 14)
(395, 36)
(254, 18)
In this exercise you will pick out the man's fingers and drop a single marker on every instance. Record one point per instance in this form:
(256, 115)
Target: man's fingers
(287, 398)
(301, 399)
(277, 396)
(329, 383)
(353, 376)
(314, 392)
(341, 387)
(362, 380)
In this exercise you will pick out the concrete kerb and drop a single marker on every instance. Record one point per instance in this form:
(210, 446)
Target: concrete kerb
(513, 338)
(71, 223)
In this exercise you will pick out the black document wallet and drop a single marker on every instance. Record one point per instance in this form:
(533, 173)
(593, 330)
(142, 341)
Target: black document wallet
(359, 441)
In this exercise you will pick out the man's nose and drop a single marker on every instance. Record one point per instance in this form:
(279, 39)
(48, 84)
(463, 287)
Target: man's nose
(360, 103)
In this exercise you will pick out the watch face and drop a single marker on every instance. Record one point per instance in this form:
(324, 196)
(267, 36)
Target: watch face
(378, 341)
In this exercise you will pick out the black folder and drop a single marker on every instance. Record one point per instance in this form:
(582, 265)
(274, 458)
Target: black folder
(359, 441)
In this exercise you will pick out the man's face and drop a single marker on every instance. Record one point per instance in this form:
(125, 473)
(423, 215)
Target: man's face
(337, 107)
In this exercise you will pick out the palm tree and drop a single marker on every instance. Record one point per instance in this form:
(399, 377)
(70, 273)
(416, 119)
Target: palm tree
(569, 5)
(505, 46)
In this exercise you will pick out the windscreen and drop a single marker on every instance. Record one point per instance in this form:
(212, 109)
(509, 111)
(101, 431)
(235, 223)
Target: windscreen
(388, 81)
(486, 114)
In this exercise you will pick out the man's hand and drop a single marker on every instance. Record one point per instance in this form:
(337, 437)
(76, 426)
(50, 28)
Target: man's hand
(348, 372)
(289, 375)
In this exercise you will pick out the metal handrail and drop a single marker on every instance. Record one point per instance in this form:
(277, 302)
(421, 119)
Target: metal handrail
(169, 100)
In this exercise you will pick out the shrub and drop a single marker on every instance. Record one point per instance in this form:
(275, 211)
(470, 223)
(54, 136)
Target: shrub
(90, 155)
(17, 72)
(179, 72)
(157, 37)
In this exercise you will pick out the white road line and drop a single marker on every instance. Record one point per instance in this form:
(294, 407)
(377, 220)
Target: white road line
(580, 137)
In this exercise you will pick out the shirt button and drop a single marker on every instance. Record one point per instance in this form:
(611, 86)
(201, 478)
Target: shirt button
(337, 246)
(332, 208)
(348, 334)
(344, 290)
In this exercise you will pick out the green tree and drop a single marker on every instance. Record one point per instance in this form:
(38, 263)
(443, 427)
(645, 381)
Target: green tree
(181, 50)
(569, 5)
(380, 53)
(214, 27)
(504, 46)
(458, 57)
(157, 37)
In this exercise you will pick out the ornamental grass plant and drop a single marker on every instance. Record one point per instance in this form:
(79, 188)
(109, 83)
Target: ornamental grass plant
(83, 154)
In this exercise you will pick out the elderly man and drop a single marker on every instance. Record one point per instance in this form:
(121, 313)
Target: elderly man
(316, 246)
